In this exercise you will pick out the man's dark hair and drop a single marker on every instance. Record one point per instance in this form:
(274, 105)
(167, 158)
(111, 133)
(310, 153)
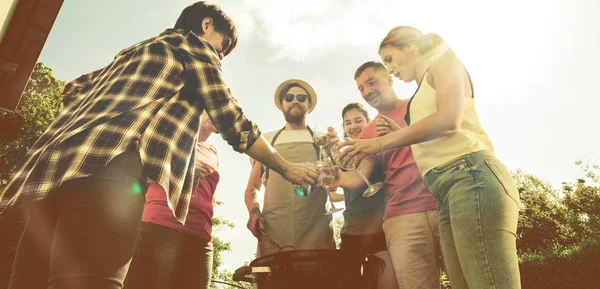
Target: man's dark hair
(379, 67)
(191, 19)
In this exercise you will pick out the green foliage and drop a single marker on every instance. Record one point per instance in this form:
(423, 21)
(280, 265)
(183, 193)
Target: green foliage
(540, 214)
(219, 245)
(562, 267)
(559, 237)
(39, 105)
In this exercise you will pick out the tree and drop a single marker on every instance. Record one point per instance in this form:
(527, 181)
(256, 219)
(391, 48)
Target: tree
(39, 105)
(540, 216)
(548, 221)
(220, 246)
(559, 237)
(582, 201)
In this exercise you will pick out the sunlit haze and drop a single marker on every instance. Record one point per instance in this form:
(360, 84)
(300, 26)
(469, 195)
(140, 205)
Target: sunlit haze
(533, 63)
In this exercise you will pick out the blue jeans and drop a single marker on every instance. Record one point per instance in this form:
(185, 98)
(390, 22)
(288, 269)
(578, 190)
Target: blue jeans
(478, 210)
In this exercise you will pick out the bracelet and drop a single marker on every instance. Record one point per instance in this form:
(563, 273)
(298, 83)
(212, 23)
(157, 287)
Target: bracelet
(380, 146)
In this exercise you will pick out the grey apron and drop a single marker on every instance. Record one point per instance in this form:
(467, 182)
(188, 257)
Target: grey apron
(291, 220)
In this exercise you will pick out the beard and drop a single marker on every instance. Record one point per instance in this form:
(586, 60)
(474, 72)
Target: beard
(295, 117)
(375, 100)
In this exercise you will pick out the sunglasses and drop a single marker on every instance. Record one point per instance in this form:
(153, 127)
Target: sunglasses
(226, 42)
(300, 97)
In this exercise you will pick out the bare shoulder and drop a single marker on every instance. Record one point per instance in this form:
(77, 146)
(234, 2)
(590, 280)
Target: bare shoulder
(446, 62)
(446, 65)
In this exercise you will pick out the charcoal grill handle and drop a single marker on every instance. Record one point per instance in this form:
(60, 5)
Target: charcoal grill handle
(226, 283)
(240, 274)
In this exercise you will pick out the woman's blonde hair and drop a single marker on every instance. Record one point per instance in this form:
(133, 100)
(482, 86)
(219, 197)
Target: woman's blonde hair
(403, 36)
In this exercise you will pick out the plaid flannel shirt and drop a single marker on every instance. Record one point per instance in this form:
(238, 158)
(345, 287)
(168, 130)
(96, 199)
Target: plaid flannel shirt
(151, 96)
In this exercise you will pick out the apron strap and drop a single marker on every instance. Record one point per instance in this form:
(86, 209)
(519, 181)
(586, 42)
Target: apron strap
(265, 170)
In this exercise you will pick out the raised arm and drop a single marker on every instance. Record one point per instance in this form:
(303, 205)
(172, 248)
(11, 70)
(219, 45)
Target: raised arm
(239, 132)
(448, 76)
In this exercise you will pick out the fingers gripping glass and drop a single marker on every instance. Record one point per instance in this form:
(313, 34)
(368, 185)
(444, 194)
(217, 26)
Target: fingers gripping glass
(298, 191)
(300, 97)
(326, 174)
(353, 165)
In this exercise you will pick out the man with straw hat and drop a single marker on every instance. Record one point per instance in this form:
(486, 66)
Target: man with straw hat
(289, 217)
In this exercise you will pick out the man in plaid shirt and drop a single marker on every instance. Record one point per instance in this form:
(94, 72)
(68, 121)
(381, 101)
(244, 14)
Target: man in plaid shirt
(129, 123)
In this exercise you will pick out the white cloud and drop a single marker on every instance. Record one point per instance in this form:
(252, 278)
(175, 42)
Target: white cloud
(306, 29)
(301, 30)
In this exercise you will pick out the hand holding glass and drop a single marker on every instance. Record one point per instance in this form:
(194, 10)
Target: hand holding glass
(353, 165)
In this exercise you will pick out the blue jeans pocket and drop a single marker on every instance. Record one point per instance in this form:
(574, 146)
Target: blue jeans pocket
(449, 166)
(439, 178)
(505, 179)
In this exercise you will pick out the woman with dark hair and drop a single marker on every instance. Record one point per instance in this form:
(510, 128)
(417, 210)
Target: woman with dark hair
(362, 230)
(476, 195)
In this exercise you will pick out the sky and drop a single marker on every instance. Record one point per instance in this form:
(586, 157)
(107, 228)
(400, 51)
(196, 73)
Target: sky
(533, 64)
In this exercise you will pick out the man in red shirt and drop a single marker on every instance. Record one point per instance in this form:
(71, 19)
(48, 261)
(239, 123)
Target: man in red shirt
(410, 220)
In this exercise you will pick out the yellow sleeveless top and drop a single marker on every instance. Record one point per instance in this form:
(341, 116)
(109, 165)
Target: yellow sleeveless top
(470, 136)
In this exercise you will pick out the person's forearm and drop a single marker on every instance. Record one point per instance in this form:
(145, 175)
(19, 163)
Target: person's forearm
(251, 199)
(431, 127)
(264, 153)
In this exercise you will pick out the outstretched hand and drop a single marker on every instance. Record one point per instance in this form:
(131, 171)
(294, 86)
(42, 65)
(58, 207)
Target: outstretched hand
(301, 175)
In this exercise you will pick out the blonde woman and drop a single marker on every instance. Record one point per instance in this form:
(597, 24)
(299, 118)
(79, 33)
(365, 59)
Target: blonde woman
(476, 195)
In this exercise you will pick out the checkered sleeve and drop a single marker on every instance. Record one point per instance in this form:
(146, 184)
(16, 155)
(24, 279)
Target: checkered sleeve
(222, 108)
